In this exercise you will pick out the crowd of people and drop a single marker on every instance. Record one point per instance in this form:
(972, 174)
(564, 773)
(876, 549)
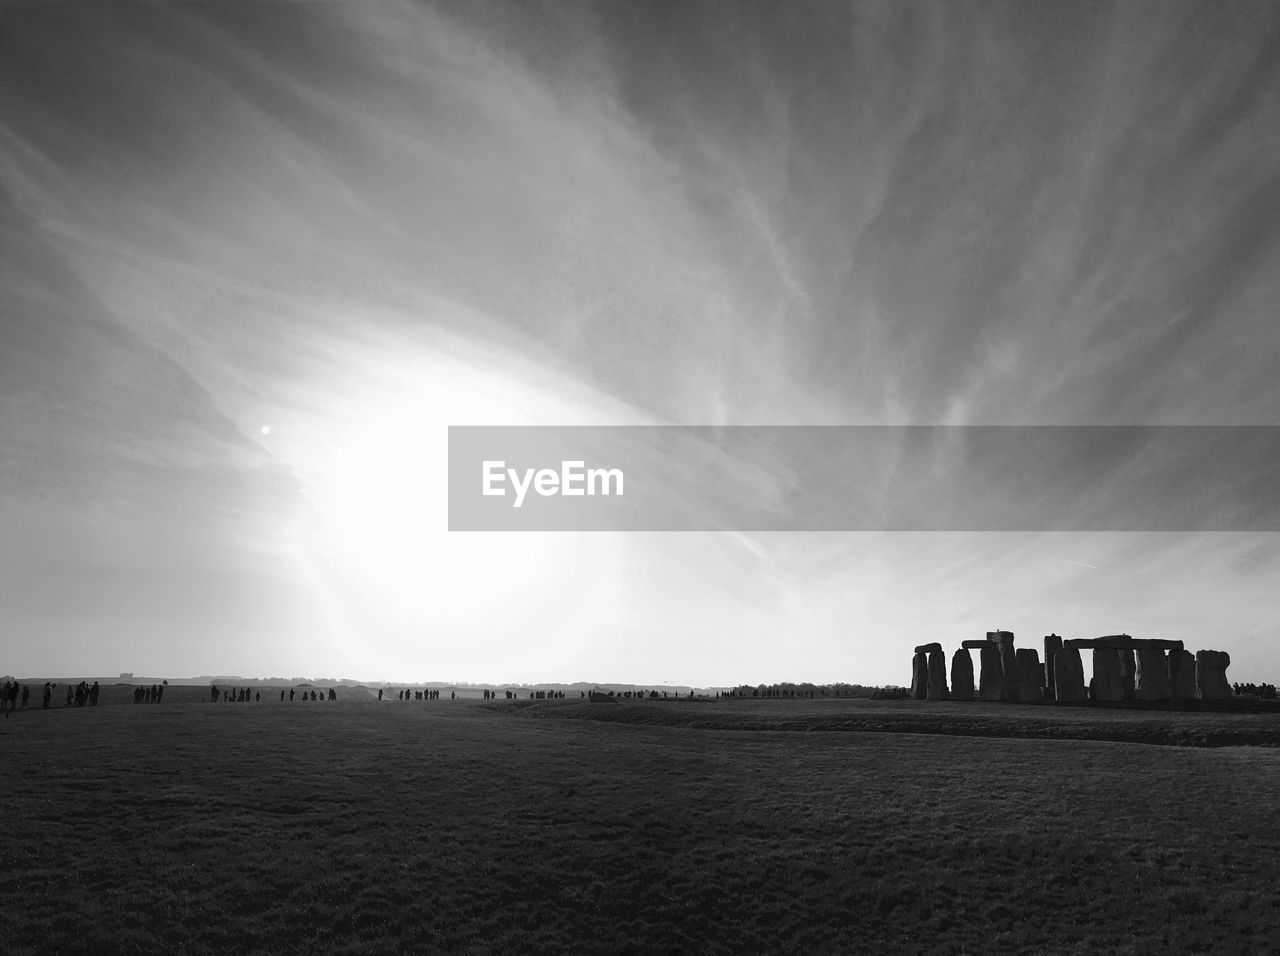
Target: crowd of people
(409, 693)
(243, 695)
(428, 693)
(15, 695)
(1261, 691)
(148, 695)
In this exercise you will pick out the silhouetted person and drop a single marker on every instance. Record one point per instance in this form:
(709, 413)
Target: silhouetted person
(282, 695)
(48, 696)
(290, 693)
(379, 693)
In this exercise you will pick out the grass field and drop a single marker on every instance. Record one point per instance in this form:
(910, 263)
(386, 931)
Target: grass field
(765, 826)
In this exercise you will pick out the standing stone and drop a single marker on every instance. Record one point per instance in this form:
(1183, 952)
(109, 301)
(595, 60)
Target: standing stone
(1152, 682)
(1030, 676)
(1182, 675)
(1211, 675)
(920, 676)
(1009, 672)
(1068, 676)
(1107, 684)
(937, 687)
(1008, 664)
(1128, 672)
(961, 675)
(990, 674)
(1052, 648)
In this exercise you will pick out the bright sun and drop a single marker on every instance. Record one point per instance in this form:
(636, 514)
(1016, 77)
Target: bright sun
(375, 542)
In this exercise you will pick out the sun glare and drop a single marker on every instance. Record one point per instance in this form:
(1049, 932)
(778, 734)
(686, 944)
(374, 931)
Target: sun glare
(375, 539)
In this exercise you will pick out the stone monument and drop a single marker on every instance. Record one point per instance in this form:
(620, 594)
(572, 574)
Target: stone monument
(1068, 676)
(1211, 675)
(937, 683)
(1152, 679)
(962, 675)
(1030, 676)
(1182, 675)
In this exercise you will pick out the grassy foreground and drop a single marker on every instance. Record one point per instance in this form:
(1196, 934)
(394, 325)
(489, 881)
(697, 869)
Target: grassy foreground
(772, 826)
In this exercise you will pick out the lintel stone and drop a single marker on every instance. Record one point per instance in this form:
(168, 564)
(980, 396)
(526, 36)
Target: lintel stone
(1123, 642)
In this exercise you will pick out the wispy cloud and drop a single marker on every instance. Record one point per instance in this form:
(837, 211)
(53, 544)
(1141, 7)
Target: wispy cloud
(327, 217)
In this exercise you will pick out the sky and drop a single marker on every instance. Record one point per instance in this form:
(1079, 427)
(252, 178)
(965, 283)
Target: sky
(255, 258)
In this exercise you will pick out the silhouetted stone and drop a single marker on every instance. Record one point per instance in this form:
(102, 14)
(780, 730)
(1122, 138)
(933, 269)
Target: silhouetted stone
(1128, 671)
(1152, 680)
(1068, 676)
(1052, 647)
(1009, 671)
(937, 683)
(1030, 685)
(1211, 675)
(962, 675)
(990, 675)
(928, 648)
(1182, 675)
(974, 645)
(1107, 684)
(1120, 642)
(920, 676)
(1000, 637)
